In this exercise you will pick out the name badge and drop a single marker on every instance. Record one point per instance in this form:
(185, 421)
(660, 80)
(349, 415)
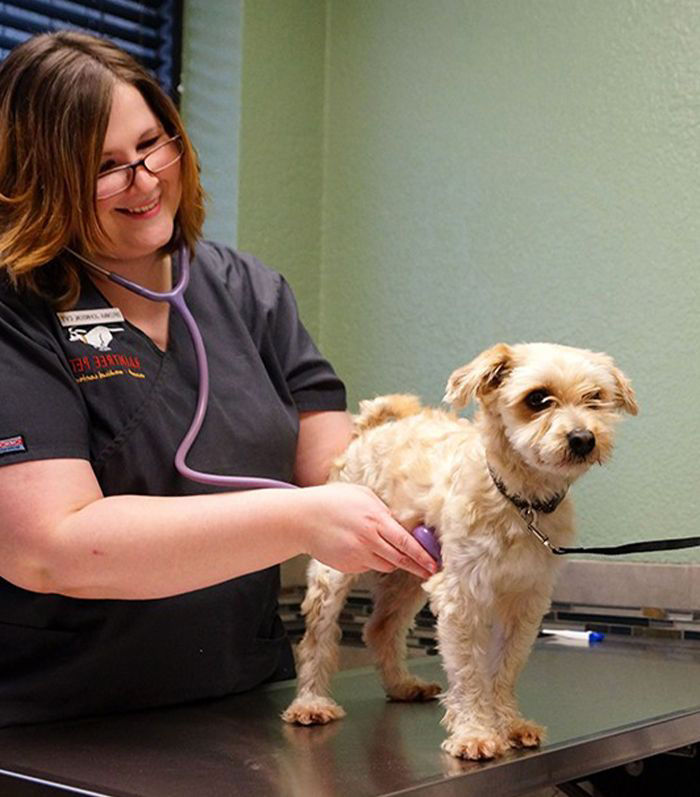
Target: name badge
(100, 315)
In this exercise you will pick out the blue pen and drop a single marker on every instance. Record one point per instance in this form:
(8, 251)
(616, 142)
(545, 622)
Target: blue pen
(592, 637)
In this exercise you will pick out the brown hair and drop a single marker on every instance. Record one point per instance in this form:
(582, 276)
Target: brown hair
(55, 101)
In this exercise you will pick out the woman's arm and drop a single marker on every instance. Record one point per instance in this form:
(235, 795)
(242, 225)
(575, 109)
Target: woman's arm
(323, 436)
(61, 535)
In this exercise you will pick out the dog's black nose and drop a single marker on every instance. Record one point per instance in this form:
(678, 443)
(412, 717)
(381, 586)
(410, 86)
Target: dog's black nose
(581, 442)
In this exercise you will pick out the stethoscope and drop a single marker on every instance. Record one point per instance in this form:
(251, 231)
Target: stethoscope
(175, 297)
(425, 535)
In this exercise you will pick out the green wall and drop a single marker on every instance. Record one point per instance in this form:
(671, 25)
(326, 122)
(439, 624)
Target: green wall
(211, 105)
(281, 164)
(438, 176)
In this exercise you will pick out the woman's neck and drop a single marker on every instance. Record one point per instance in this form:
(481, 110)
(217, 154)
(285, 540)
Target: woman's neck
(149, 316)
(152, 271)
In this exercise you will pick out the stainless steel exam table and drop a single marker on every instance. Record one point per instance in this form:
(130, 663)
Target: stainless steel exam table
(604, 706)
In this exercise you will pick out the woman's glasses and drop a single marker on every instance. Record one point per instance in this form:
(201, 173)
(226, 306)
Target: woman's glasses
(115, 181)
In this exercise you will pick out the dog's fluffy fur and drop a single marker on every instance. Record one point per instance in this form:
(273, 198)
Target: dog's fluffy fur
(432, 467)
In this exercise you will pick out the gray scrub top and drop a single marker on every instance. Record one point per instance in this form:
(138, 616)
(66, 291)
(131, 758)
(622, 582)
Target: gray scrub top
(90, 385)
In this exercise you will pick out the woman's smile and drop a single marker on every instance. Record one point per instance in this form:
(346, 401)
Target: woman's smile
(145, 211)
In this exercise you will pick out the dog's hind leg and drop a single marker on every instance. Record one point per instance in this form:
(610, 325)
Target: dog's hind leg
(317, 653)
(398, 597)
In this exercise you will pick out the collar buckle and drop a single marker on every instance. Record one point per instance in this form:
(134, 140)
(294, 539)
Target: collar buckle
(529, 515)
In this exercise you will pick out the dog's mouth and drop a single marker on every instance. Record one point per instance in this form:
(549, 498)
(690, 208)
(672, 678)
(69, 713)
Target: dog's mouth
(580, 459)
(568, 461)
(578, 463)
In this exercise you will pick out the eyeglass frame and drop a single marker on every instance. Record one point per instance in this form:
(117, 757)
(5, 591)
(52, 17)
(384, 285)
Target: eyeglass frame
(135, 165)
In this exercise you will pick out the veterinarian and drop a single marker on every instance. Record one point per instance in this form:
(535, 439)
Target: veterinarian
(123, 584)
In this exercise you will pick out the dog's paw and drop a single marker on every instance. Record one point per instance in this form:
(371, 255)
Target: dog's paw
(475, 747)
(523, 733)
(414, 690)
(313, 711)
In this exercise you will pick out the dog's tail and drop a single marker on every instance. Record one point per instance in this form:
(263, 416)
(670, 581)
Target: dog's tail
(375, 412)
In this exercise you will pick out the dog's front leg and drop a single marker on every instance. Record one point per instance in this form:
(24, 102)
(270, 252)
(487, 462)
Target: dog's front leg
(520, 617)
(464, 629)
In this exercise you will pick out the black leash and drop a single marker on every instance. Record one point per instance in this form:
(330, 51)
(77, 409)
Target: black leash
(528, 511)
(633, 547)
(529, 516)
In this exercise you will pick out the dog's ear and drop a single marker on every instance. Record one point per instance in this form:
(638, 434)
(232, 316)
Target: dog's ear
(482, 375)
(624, 394)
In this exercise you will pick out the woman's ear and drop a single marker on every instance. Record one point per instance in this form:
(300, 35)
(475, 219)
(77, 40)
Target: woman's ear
(482, 375)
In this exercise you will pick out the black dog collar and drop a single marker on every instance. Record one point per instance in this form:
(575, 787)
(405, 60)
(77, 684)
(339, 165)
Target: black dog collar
(521, 504)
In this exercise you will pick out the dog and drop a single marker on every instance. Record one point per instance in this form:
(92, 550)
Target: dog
(546, 413)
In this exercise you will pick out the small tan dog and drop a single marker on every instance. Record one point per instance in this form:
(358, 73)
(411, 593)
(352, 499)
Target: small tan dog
(546, 414)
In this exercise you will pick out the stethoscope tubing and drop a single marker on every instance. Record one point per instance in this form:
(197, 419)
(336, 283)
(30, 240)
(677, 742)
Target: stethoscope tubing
(175, 297)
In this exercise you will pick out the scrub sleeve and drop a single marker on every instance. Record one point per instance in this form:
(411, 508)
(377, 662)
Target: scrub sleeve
(87, 384)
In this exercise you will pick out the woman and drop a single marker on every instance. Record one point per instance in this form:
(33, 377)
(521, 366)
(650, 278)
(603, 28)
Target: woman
(123, 584)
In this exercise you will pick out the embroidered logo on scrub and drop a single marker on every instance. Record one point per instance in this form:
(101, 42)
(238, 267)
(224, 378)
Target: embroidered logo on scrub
(99, 335)
(11, 445)
(96, 328)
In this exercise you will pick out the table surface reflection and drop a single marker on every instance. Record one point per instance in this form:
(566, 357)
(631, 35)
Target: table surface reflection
(603, 706)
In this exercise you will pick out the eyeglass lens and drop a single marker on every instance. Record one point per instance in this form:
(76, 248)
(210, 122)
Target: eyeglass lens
(158, 159)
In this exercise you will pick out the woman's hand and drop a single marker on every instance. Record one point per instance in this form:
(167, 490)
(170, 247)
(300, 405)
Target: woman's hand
(350, 529)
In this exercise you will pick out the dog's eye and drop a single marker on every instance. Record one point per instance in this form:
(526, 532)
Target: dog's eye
(594, 399)
(538, 400)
